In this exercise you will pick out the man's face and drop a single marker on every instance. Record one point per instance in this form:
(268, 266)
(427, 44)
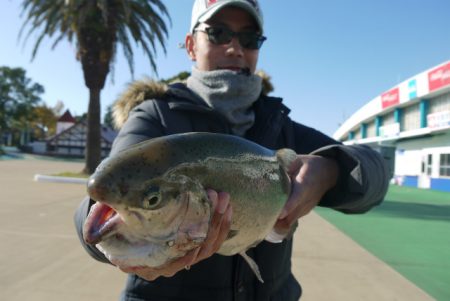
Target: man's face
(232, 56)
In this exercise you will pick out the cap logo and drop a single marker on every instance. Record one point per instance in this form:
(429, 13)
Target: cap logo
(210, 2)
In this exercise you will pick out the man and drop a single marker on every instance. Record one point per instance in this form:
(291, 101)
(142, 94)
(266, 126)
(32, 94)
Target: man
(224, 95)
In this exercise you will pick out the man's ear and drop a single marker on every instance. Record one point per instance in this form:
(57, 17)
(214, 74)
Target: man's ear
(190, 46)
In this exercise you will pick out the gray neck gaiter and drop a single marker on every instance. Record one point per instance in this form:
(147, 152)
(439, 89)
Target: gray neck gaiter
(231, 94)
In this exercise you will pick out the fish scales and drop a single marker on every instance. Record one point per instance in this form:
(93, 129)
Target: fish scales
(160, 210)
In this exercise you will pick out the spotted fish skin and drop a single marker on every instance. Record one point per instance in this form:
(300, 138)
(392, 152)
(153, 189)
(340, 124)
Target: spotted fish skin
(157, 190)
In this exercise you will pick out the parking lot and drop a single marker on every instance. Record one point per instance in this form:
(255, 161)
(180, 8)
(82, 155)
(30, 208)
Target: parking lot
(41, 257)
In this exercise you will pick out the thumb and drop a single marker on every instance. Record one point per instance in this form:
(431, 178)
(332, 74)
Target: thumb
(293, 199)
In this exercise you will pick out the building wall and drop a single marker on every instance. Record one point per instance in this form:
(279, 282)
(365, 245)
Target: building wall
(62, 126)
(371, 129)
(413, 118)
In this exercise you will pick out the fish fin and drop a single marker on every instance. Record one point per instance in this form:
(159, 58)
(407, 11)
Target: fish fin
(285, 158)
(232, 233)
(252, 265)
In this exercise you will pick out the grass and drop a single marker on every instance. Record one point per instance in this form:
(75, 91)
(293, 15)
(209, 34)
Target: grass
(410, 231)
(71, 174)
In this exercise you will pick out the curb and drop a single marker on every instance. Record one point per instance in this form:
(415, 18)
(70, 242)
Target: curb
(55, 179)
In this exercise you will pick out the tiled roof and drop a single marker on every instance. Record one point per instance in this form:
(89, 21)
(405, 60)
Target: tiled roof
(67, 117)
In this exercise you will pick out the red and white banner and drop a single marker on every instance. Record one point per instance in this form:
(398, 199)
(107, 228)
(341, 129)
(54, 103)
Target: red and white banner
(439, 77)
(438, 119)
(390, 98)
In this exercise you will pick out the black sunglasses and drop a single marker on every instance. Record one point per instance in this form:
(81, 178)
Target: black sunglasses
(222, 35)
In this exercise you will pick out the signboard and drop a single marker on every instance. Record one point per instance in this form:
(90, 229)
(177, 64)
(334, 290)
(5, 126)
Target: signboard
(439, 77)
(390, 130)
(438, 119)
(412, 89)
(390, 98)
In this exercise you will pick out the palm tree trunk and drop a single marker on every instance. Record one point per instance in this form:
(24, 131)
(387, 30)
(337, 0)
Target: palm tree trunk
(93, 139)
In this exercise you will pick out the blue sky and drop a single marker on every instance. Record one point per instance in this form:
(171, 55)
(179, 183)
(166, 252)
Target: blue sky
(327, 58)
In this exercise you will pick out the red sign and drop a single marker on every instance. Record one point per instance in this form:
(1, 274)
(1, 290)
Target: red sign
(210, 2)
(390, 98)
(439, 77)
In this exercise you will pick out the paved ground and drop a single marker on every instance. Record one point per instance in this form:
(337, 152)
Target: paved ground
(41, 259)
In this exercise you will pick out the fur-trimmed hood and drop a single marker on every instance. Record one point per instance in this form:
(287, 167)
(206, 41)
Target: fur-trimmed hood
(147, 88)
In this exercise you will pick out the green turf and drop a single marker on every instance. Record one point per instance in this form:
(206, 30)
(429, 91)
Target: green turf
(71, 174)
(410, 231)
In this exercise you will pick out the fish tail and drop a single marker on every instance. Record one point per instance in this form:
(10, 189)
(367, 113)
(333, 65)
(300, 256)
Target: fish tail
(285, 157)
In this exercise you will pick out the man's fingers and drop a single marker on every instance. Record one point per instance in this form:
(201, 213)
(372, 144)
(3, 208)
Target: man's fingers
(293, 201)
(213, 197)
(295, 166)
(180, 263)
(209, 245)
(224, 229)
(217, 233)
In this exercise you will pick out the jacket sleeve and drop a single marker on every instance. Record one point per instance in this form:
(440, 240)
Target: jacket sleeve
(363, 179)
(364, 174)
(142, 124)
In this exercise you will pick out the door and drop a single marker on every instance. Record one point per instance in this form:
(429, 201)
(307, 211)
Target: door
(425, 175)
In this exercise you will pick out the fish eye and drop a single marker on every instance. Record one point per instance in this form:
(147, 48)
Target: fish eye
(152, 199)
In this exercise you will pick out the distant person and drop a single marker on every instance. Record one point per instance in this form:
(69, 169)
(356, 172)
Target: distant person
(224, 95)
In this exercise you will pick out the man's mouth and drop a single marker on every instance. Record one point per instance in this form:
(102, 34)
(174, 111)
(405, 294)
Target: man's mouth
(242, 70)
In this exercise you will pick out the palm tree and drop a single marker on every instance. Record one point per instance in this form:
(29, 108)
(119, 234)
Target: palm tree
(98, 26)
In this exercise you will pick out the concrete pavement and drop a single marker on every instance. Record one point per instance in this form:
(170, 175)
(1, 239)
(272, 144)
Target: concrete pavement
(41, 258)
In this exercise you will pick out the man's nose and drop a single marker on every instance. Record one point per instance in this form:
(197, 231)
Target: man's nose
(235, 48)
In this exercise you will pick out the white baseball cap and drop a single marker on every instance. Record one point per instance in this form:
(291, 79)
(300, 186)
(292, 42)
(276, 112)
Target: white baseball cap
(203, 10)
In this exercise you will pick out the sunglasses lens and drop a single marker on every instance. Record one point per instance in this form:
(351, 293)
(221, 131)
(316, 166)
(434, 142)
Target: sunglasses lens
(250, 40)
(219, 35)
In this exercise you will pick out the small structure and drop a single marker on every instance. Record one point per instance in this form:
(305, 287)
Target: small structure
(64, 122)
(70, 139)
(71, 142)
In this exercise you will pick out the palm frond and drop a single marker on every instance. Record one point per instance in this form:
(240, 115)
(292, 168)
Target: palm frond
(130, 23)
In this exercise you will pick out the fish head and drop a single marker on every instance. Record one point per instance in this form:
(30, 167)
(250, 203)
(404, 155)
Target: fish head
(145, 214)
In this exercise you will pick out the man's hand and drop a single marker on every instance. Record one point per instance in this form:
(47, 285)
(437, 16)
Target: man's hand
(311, 176)
(217, 233)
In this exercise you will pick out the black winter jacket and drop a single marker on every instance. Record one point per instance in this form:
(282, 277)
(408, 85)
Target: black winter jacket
(362, 184)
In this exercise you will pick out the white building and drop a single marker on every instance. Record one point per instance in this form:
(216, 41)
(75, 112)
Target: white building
(71, 142)
(412, 118)
(70, 139)
(64, 122)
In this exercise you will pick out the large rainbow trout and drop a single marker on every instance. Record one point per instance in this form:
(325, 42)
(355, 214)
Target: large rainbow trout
(152, 206)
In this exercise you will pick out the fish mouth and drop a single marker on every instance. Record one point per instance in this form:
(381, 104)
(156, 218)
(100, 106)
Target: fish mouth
(102, 221)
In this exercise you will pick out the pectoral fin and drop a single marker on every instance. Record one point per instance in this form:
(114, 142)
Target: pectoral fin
(253, 266)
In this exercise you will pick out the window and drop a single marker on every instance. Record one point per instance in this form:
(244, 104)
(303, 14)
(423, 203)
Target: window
(444, 165)
(410, 119)
(371, 131)
(440, 104)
